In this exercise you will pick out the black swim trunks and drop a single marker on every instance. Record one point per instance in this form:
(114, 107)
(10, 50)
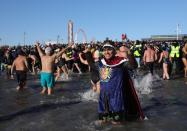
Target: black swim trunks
(150, 65)
(21, 76)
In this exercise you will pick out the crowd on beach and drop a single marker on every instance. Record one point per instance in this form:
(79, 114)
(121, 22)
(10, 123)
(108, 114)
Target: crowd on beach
(110, 64)
(166, 52)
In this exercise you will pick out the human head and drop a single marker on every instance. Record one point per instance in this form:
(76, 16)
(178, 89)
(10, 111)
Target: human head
(122, 48)
(20, 51)
(148, 46)
(48, 50)
(108, 51)
(175, 43)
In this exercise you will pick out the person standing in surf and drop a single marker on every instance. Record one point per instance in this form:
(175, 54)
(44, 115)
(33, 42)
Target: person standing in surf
(149, 58)
(117, 99)
(21, 66)
(94, 73)
(164, 56)
(47, 72)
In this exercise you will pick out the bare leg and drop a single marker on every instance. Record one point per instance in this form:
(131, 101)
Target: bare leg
(18, 88)
(185, 72)
(94, 87)
(49, 91)
(64, 69)
(163, 73)
(58, 73)
(167, 74)
(165, 68)
(78, 68)
(185, 66)
(43, 90)
(98, 87)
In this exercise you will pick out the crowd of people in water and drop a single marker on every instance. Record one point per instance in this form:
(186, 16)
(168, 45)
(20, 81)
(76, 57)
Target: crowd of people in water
(111, 66)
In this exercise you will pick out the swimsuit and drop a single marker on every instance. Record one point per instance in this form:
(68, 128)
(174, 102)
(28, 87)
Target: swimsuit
(21, 76)
(47, 79)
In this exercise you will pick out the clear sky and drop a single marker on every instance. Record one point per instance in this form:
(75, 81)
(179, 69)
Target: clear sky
(44, 20)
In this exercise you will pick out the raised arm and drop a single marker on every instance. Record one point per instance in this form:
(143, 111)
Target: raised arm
(61, 52)
(39, 49)
(82, 60)
(86, 50)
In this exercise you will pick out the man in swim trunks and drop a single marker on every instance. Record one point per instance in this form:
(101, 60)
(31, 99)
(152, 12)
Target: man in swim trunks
(149, 58)
(21, 66)
(47, 72)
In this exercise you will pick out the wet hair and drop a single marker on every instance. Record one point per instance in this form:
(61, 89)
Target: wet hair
(164, 48)
(20, 52)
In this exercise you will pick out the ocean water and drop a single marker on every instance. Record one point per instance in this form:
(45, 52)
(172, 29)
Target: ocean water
(73, 106)
(145, 84)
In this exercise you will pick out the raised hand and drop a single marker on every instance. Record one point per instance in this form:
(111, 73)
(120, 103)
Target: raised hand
(37, 43)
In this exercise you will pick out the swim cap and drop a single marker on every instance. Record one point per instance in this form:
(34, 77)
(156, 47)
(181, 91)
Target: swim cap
(48, 50)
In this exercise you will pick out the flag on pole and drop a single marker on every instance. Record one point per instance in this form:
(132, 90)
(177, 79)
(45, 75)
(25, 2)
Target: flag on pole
(123, 36)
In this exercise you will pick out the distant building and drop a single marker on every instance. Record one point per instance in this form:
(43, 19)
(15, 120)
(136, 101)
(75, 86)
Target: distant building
(182, 37)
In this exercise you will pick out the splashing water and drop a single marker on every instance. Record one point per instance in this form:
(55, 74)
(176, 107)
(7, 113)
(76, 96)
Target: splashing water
(90, 95)
(145, 85)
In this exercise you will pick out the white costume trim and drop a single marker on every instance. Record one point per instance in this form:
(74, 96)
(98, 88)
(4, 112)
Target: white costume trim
(104, 62)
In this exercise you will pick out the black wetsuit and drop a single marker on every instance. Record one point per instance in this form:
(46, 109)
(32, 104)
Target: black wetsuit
(93, 67)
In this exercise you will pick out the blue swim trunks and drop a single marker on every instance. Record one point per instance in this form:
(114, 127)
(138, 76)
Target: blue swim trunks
(47, 79)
